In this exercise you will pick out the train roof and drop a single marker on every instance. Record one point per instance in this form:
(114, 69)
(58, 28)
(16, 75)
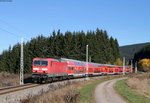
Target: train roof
(78, 62)
(65, 59)
(81, 63)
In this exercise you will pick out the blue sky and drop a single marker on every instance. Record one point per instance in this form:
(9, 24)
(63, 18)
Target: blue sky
(126, 20)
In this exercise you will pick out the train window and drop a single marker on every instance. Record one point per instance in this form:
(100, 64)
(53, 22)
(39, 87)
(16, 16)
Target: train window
(90, 69)
(40, 63)
(44, 63)
(70, 68)
(36, 62)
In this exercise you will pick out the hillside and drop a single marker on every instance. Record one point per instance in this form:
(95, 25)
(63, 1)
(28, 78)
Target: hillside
(128, 51)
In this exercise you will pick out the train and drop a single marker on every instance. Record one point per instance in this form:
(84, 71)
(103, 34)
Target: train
(46, 70)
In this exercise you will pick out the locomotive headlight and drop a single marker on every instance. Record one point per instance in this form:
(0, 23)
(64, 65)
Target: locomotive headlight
(35, 68)
(44, 69)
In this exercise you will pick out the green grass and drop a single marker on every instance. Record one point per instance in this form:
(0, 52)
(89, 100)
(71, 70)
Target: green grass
(86, 92)
(128, 94)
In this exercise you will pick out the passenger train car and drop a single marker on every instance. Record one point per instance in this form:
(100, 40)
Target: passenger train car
(49, 69)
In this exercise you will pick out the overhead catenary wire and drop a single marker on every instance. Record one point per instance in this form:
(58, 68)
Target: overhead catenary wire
(11, 33)
(15, 28)
(21, 56)
(15, 35)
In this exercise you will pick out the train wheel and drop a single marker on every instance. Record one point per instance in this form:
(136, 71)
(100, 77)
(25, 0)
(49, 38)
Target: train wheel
(60, 78)
(50, 80)
(46, 80)
(68, 77)
(39, 81)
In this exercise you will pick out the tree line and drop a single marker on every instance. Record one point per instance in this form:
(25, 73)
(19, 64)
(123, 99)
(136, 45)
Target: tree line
(72, 45)
(142, 53)
(142, 57)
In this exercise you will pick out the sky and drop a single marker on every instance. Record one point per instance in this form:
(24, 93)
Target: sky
(126, 20)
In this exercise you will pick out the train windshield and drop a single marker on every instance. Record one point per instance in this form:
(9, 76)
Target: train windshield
(40, 63)
(37, 62)
(44, 63)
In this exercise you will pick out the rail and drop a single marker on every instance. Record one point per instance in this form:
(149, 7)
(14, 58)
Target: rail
(16, 88)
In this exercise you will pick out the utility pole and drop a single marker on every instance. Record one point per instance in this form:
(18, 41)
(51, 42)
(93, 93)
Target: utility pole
(21, 64)
(90, 59)
(87, 60)
(123, 65)
(136, 67)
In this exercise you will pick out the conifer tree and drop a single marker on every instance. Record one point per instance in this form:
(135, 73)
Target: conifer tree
(71, 45)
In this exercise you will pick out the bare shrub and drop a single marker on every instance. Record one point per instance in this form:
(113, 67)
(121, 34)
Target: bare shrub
(71, 95)
(26, 100)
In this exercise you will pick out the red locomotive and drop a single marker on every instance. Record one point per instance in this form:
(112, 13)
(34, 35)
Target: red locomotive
(49, 69)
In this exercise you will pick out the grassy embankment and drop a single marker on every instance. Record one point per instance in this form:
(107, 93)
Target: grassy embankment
(87, 91)
(128, 89)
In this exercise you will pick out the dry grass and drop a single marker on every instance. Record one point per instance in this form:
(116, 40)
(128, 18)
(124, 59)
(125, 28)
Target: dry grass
(67, 94)
(7, 79)
(140, 84)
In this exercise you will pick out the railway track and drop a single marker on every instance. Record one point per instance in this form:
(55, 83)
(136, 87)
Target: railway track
(13, 89)
(16, 88)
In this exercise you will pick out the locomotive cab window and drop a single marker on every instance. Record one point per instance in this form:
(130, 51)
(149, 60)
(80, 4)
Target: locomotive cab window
(40, 63)
(36, 62)
(44, 63)
(90, 68)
